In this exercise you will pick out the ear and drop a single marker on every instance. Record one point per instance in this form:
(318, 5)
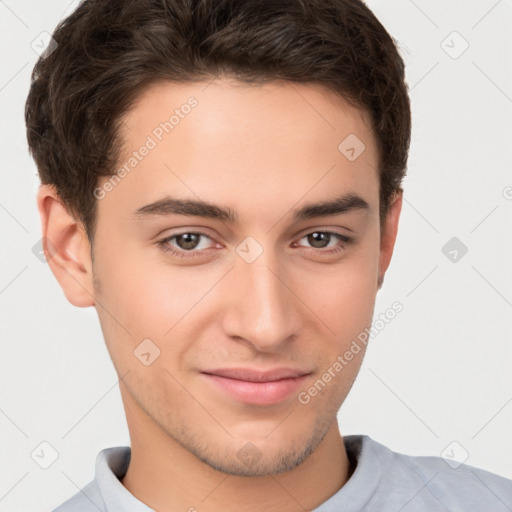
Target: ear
(66, 248)
(388, 234)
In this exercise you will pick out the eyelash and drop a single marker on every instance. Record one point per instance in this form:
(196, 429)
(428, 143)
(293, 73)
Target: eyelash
(194, 253)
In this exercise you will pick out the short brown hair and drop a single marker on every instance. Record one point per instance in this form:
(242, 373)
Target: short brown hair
(109, 50)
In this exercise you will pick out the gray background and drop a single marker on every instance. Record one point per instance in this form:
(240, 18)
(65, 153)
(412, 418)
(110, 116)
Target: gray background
(439, 373)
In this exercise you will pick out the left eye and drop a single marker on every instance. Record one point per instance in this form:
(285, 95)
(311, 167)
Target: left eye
(322, 236)
(189, 241)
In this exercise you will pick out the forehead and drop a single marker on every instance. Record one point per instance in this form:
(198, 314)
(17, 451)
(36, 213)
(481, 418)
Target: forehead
(224, 101)
(239, 144)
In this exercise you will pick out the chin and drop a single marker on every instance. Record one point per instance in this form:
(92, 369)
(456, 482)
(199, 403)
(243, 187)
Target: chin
(249, 461)
(251, 457)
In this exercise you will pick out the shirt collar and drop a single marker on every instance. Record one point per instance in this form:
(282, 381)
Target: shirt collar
(111, 466)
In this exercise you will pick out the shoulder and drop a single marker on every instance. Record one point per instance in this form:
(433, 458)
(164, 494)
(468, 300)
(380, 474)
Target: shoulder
(432, 479)
(87, 499)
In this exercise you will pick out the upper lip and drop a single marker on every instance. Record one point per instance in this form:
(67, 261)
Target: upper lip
(253, 375)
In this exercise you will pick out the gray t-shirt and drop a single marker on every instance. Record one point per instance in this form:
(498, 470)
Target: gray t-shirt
(383, 481)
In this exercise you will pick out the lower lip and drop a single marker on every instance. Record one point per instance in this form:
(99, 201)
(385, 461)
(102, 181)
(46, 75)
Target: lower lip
(258, 393)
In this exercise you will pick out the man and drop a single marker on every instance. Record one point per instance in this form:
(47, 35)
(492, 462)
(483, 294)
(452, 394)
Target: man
(221, 180)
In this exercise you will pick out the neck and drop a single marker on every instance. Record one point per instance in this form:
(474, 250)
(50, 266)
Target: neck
(165, 476)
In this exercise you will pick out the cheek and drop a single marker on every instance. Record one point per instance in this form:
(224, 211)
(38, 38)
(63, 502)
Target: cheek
(146, 292)
(154, 301)
(342, 295)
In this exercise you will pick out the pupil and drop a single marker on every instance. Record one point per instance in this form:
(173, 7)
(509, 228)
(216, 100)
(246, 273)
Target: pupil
(315, 237)
(190, 240)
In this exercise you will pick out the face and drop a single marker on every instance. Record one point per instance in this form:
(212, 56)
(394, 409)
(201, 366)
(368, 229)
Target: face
(221, 319)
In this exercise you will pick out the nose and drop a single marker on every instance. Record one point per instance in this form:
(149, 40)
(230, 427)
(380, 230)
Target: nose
(262, 308)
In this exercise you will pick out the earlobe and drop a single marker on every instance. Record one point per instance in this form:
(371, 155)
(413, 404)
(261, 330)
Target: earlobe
(66, 248)
(388, 235)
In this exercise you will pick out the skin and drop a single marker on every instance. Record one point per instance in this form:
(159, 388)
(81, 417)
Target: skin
(263, 151)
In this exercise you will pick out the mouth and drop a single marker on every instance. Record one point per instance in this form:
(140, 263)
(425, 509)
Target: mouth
(257, 387)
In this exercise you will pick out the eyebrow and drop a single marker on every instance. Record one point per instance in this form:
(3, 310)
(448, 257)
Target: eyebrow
(168, 206)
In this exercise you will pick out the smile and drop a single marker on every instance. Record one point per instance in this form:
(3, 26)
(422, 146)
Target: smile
(257, 388)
